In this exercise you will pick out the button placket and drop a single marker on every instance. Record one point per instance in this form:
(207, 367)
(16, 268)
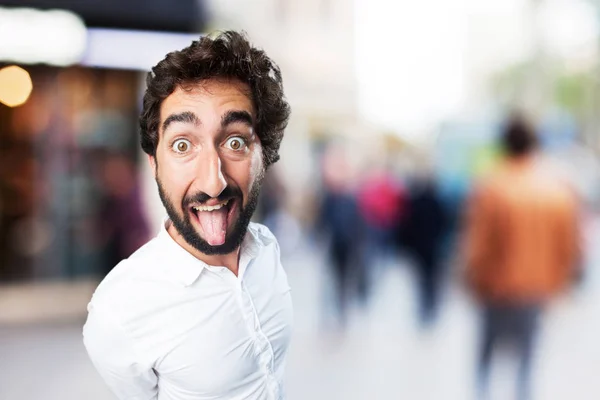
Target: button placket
(263, 349)
(245, 306)
(262, 346)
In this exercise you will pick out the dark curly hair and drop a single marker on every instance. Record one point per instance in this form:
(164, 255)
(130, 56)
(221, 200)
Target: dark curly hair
(229, 55)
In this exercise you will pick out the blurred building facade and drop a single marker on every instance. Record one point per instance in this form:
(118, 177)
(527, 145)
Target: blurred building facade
(71, 202)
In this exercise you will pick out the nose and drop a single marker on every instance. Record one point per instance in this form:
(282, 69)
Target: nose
(211, 179)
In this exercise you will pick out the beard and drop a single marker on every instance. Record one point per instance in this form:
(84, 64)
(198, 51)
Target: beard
(233, 239)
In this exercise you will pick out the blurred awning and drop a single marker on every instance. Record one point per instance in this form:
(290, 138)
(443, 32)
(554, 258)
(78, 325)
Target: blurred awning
(154, 15)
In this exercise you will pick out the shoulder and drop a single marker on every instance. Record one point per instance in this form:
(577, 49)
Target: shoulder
(262, 234)
(265, 244)
(128, 279)
(484, 186)
(269, 257)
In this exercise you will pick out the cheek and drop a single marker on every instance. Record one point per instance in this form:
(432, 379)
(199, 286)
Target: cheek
(245, 172)
(256, 168)
(174, 178)
(241, 174)
(257, 163)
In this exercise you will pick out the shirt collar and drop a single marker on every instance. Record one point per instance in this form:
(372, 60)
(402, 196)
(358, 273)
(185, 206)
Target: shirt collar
(185, 268)
(249, 250)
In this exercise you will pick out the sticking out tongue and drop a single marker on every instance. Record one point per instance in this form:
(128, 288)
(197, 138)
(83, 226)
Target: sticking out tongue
(214, 225)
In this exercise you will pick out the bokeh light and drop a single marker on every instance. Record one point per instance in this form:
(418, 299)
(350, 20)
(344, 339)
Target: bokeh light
(15, 86)
(30, 36)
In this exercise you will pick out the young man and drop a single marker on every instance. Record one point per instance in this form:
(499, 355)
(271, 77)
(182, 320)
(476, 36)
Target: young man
(203, 310)
(522, 249)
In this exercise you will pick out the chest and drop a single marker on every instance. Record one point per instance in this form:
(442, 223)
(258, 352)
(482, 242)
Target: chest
(222, 336)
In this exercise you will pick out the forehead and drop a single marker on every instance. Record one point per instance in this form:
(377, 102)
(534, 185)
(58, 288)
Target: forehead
(208, 97)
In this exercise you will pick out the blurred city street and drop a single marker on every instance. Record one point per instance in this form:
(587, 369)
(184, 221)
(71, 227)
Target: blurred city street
(382, 355)
(440, 164)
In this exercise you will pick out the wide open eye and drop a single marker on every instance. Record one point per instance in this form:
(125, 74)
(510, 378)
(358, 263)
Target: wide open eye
(181, 146)
(236, 143)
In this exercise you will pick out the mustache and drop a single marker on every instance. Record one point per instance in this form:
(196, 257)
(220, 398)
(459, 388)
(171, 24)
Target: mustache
(201, 197)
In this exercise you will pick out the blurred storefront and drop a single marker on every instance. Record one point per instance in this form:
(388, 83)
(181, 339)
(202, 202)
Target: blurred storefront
(154, 15)
(71, 198)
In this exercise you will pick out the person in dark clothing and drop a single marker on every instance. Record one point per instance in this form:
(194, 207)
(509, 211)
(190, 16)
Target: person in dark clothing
(340, 221)
(339, 225)
(422, 234)
(123, 225)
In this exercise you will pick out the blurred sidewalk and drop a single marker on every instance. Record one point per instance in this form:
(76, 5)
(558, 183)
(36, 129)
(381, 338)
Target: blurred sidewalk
(34, 303)
(383, 355)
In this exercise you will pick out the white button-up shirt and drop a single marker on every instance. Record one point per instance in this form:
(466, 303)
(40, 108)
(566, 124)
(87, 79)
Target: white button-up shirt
(164, 325)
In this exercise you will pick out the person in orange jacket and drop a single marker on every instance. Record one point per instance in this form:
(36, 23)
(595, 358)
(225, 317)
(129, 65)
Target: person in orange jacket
(521, 248)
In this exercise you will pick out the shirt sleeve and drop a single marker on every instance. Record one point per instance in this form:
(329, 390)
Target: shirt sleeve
(112, 353)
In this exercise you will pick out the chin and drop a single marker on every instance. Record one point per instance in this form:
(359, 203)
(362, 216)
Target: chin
(230, 245)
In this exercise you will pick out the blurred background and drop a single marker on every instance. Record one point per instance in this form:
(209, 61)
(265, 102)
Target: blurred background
(397, 107)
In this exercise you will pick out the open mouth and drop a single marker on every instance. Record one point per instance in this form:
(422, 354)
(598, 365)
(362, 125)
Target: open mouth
(211, 208)
(214, 220)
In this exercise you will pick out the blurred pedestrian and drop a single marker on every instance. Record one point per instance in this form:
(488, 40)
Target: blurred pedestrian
(381, 203)
(339, 222)
(522, 249)
(203, 310)
(422, 232)
(121, 219)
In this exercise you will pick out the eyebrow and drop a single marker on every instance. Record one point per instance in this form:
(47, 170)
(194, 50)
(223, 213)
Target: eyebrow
(234, 116)
(186, 117)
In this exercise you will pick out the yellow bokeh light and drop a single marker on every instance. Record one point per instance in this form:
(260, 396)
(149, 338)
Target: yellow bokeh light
(15, 86)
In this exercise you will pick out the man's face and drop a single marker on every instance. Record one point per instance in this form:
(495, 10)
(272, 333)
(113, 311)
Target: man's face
(208, 163)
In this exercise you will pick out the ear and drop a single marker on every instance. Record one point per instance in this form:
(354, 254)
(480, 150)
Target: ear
(152, 162)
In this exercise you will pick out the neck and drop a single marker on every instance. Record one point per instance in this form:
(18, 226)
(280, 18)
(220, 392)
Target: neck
(522, 158)
(229, 261)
